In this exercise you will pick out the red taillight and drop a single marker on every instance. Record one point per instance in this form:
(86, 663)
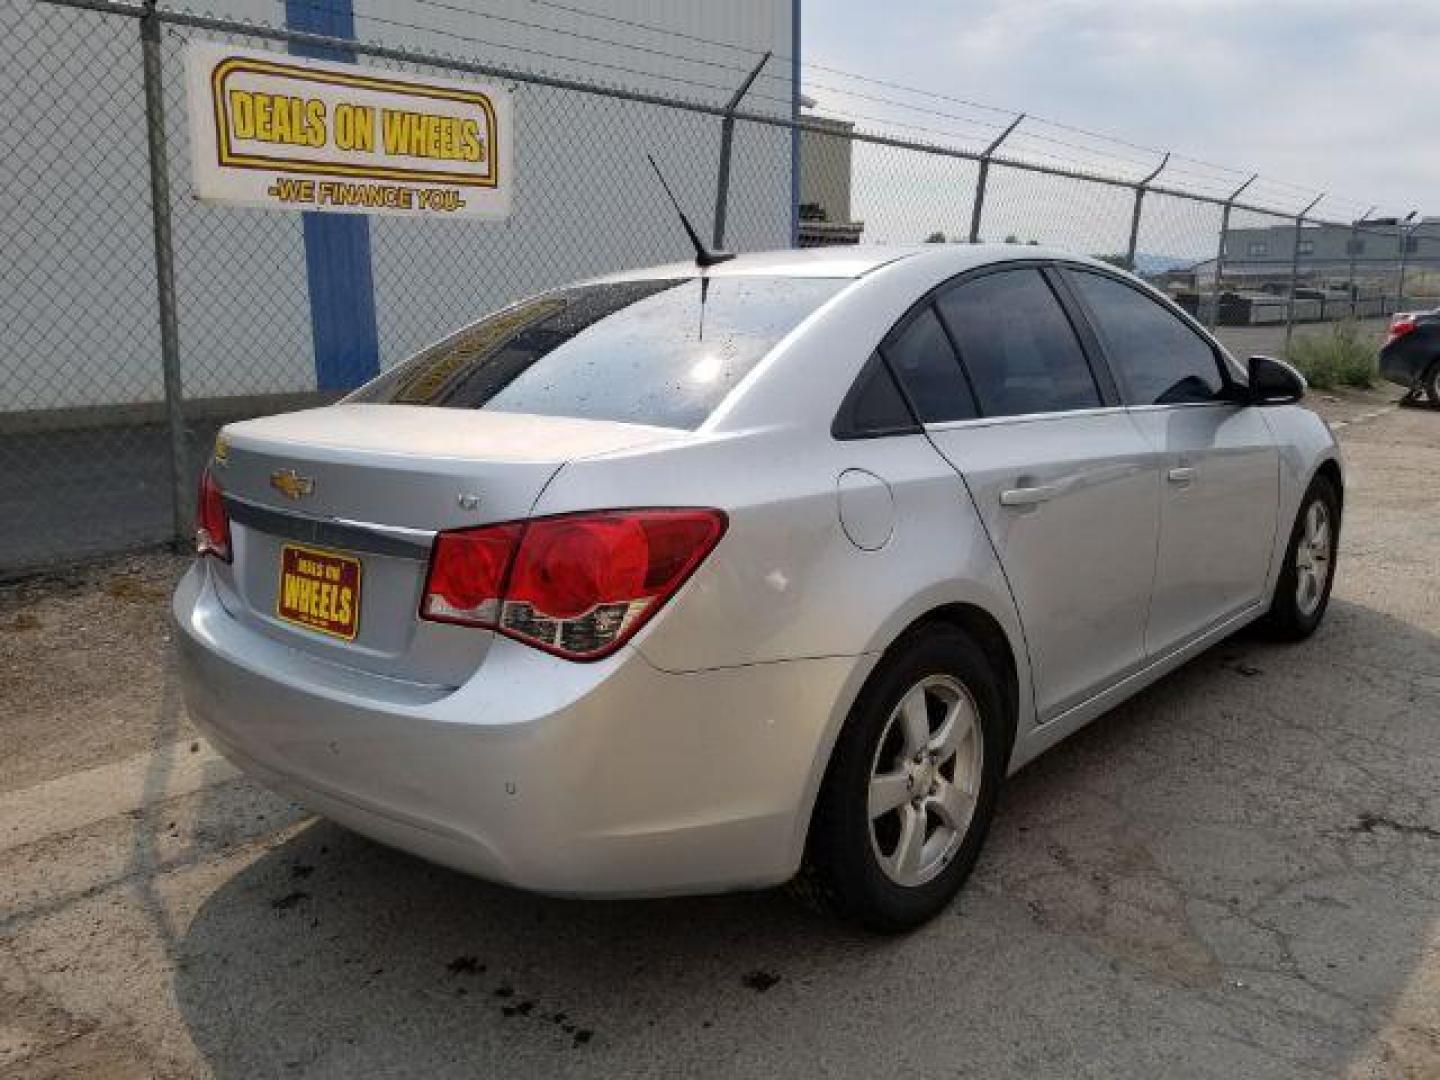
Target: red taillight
(467, 573)
(212, 524)
(579, 585)
(1400, 326)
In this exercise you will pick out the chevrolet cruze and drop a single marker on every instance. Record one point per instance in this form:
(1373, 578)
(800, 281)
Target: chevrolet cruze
(706, 578)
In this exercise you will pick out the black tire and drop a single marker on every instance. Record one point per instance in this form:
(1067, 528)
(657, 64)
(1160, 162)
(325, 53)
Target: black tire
(842, 870)
(1287, 620)
(1431, 382)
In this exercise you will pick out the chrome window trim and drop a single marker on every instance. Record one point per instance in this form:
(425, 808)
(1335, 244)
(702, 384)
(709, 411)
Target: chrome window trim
(368, 537)
(1186, 405)
(1107, 410)
(1028, 418)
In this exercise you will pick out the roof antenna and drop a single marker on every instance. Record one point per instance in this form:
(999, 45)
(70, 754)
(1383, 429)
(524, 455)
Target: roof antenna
(703, 256)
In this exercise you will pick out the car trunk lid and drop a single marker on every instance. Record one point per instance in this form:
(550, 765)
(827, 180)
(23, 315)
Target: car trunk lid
(333, 512)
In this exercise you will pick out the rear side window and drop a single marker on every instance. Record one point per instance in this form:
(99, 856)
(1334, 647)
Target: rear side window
(1017, 345)
(663, 352)
(873, 406)
(925, 364)
(1157, 359)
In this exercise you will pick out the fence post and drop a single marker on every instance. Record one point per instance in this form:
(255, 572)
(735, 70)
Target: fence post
(165, 268)
(1404, 252)
(1135, 214)
(1295, 271)
(1354, 251)
(1220, 251)
(727, 136)
(978, 206)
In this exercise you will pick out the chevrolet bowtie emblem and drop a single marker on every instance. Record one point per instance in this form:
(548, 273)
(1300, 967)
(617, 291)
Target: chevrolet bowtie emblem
(291, 484)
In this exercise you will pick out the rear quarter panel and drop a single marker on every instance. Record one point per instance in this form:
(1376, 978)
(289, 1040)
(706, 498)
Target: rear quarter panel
(786, 582)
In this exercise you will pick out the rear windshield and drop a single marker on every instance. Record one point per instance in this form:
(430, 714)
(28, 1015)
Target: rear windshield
(663, 352)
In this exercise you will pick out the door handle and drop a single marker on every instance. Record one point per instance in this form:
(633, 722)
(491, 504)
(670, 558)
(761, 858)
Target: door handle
(1027, 496)
(1183, 474)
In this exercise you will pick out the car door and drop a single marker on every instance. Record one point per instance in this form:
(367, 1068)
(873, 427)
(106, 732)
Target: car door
(1219, 460)
(1064, 482)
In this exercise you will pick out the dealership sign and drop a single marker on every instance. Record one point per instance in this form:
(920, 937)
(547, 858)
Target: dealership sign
(289, 133)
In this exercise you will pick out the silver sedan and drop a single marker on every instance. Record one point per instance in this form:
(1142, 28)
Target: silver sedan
(695, 579)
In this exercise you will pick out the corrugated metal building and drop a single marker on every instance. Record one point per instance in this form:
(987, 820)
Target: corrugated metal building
(1372, 249)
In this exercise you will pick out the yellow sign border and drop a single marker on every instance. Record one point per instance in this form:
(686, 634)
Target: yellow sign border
(325, 554)
(228, 157)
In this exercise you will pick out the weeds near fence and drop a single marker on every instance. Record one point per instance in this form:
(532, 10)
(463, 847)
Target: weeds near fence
(1339, 356)
(1423, 284)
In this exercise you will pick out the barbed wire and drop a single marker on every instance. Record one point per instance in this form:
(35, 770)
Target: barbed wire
(651, 28)
(384, 20)
(1102, 159)
(460, 9)
(1216, 170)
(931, 132)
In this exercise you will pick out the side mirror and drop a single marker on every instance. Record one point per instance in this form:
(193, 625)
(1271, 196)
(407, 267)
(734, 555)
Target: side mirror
(1274, 382)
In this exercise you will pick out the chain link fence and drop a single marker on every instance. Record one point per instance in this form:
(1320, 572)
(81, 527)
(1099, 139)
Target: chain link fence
(104, 424)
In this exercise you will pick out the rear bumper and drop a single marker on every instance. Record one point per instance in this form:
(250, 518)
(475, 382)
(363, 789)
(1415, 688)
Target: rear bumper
(612, 778)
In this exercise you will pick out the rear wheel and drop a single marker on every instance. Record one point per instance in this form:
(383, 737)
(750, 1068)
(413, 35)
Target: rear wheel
(1431, 382)
(912, 784)
(1303, 591)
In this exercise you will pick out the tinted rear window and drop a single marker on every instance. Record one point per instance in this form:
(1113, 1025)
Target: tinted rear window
(926, 366)
(661, 352)
(1018, 346)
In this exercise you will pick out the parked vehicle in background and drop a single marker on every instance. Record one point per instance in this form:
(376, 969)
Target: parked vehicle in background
(693, 579)
(1410, 356)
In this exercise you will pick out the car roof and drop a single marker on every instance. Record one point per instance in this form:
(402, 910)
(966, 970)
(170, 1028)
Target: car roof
(849, 261)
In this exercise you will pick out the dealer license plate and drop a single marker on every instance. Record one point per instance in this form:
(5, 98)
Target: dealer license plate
(319, 590)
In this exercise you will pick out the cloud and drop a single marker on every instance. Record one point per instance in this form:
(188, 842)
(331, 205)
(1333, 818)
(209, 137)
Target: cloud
(1321, 94)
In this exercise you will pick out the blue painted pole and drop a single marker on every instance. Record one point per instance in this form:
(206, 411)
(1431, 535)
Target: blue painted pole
(795, 116)
(337, 246)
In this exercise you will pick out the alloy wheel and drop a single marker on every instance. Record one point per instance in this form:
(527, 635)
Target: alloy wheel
(924, 780)
(1313, 558)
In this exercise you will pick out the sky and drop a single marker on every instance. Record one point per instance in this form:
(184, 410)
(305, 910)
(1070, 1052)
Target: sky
(1341, 96)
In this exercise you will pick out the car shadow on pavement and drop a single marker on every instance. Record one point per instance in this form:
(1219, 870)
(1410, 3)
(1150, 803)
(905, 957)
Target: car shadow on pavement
(1245, 858)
